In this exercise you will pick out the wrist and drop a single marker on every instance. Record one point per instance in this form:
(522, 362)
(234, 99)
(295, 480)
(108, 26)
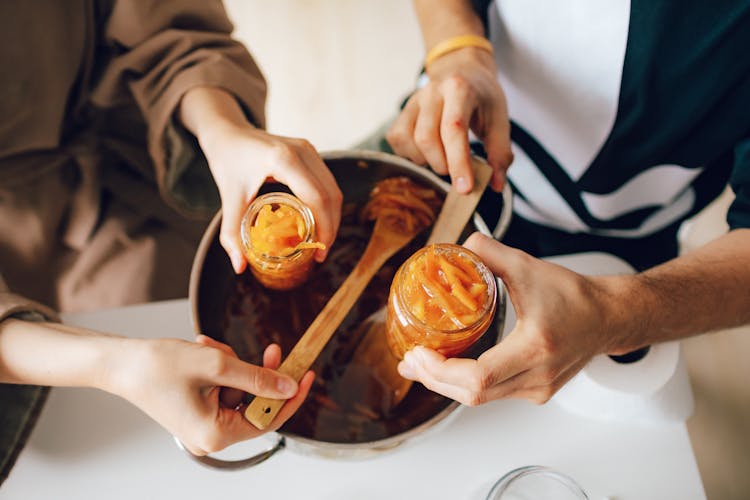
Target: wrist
(211, 115)
(455, 44)
(466, 57)
(116, 363)
(627, 315)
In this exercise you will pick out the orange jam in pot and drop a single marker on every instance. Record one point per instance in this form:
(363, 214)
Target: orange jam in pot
(443, 297)
(278, 232)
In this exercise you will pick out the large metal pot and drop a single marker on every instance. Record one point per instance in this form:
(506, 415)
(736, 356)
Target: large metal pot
(212, 282)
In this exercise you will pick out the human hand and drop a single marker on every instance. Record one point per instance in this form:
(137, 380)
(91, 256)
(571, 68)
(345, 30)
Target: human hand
(194, 389)
(242, 158)
(563, 320)
(463, 93)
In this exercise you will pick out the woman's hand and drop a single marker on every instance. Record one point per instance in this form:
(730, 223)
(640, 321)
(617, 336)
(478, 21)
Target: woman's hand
(563, 320)
(463, 93)
(194, 390)
(242, 158)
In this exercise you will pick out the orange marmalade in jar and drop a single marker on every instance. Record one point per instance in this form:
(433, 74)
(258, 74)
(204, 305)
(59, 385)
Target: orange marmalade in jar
(443, 297)
(278, 232)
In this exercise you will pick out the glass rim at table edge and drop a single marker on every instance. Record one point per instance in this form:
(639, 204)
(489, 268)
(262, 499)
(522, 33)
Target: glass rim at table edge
(509, 477)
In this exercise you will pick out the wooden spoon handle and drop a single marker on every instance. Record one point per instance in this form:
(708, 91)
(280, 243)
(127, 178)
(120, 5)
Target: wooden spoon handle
(262, 411)
(458, 208)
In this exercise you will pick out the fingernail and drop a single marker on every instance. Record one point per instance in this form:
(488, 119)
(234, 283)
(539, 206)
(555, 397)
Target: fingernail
(286, 387)
(462, 184)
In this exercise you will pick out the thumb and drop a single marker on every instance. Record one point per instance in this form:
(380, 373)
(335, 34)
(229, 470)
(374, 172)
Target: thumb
(505, 262)
(210, 342)
(255, 379)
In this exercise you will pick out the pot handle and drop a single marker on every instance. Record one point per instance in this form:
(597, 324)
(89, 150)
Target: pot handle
(217, 463)
(505, 215)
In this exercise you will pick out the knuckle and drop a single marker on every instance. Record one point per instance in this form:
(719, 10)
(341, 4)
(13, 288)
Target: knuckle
(258, 380)
(282, 153)
(455, 83)
(507, 158)
(474, 399)
(548, 375)
(263, 380)
(338, 197)
(476, 241)
(478, 382)
(318, 199)
(537, 400)
(426, 93)
(543, 395)
(556, 386)
(423, 139)
(395, 137)
(305, 144)
(548, 346)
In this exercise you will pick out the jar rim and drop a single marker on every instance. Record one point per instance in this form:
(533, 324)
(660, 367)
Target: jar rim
(280, 198)
(519, 474)
(487, 276)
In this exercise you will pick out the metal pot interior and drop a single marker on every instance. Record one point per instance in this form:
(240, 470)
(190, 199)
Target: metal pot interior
(344, 408)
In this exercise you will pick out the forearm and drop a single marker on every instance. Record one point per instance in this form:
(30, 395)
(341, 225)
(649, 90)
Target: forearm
(706, 290)
(209, 112)
(51, 354)
(446, 18)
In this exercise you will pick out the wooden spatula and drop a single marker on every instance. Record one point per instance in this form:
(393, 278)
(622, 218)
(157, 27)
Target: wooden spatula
(387, 238)
(373, 350)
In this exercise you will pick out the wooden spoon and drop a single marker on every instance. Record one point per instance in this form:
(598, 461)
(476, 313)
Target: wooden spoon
(387, 238)
(373, 351)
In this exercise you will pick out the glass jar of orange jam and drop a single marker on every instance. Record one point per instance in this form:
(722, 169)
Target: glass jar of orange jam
(278, 232)
(443, 297)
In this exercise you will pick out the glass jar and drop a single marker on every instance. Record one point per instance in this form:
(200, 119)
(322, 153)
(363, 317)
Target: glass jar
(538, 483)
(279, 272)
(443, 297)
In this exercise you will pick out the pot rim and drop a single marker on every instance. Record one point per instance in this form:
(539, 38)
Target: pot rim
(337, 154)
(334, 448)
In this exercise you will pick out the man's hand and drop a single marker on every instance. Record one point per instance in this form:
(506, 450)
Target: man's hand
(564, 320)
(463, 93)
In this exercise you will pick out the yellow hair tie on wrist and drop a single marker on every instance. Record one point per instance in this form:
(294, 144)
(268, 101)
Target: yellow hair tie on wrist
(456, 43)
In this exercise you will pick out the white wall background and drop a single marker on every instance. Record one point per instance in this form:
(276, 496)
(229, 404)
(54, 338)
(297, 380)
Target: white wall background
(337, 69)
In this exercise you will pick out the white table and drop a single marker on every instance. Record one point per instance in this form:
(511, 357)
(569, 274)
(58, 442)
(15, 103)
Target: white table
(91, 445)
